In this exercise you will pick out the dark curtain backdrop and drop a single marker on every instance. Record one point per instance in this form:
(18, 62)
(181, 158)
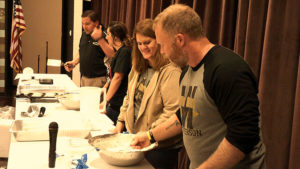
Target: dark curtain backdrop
(266, 33)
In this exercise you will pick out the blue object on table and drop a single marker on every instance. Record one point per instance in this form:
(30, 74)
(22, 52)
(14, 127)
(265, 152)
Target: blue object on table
(82, 162)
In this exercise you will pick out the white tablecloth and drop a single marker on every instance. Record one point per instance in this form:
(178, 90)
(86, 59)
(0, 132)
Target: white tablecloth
(34, 154)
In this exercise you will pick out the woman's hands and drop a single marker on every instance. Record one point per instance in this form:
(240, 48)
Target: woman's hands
(119, 127)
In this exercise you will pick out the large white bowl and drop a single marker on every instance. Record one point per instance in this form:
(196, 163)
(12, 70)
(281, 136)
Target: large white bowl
(121, 158)
(70, 101)
(113, 149)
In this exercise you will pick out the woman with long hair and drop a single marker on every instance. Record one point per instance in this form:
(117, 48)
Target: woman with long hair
(153, 94)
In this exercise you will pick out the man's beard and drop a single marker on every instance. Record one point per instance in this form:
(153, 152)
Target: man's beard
(178, 56)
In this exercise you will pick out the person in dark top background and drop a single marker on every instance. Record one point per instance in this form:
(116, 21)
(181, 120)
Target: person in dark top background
(219, 116)
(118, 38)
(91, 53)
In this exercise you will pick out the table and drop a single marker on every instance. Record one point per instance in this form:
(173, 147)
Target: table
(34, 154)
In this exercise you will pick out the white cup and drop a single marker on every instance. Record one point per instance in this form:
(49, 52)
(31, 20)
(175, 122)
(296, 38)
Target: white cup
(90, 100)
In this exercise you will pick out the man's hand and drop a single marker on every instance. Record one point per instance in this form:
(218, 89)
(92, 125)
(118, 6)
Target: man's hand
(69, 66)
(140, 140)
(97, 33)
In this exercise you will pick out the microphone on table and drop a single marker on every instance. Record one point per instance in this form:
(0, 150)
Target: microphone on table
(53, 128)
(42, 112)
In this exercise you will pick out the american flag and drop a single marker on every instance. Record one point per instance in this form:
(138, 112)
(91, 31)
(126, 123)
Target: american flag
(17, 29)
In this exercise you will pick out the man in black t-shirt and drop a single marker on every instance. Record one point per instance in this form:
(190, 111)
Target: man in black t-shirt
(91, 53)
(219, 116)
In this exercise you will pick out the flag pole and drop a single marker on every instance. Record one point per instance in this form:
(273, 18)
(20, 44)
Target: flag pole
(46, 56)
(38, 63)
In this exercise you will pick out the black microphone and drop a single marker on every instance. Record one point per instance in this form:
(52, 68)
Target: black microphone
(42, 112)
(53, 128)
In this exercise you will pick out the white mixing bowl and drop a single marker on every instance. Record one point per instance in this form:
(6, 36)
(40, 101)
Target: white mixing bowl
(70, 100)
(115, 149)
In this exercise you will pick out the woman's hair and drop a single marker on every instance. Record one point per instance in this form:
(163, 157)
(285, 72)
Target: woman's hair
(145, 28)
(119, 30)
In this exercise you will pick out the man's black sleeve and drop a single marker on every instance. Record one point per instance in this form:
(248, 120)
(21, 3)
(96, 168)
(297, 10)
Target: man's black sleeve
(234, 91)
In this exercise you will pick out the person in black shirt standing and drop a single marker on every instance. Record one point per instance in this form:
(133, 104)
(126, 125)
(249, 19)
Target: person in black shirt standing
(91, 53)
(118, 38)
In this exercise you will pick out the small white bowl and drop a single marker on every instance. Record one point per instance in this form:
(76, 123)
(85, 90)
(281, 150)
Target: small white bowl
(70, 101)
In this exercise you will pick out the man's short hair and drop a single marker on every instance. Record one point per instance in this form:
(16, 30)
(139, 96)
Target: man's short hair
(180, 18)
(91, 14)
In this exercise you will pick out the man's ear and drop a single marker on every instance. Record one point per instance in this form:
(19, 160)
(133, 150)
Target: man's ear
(179, 39)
